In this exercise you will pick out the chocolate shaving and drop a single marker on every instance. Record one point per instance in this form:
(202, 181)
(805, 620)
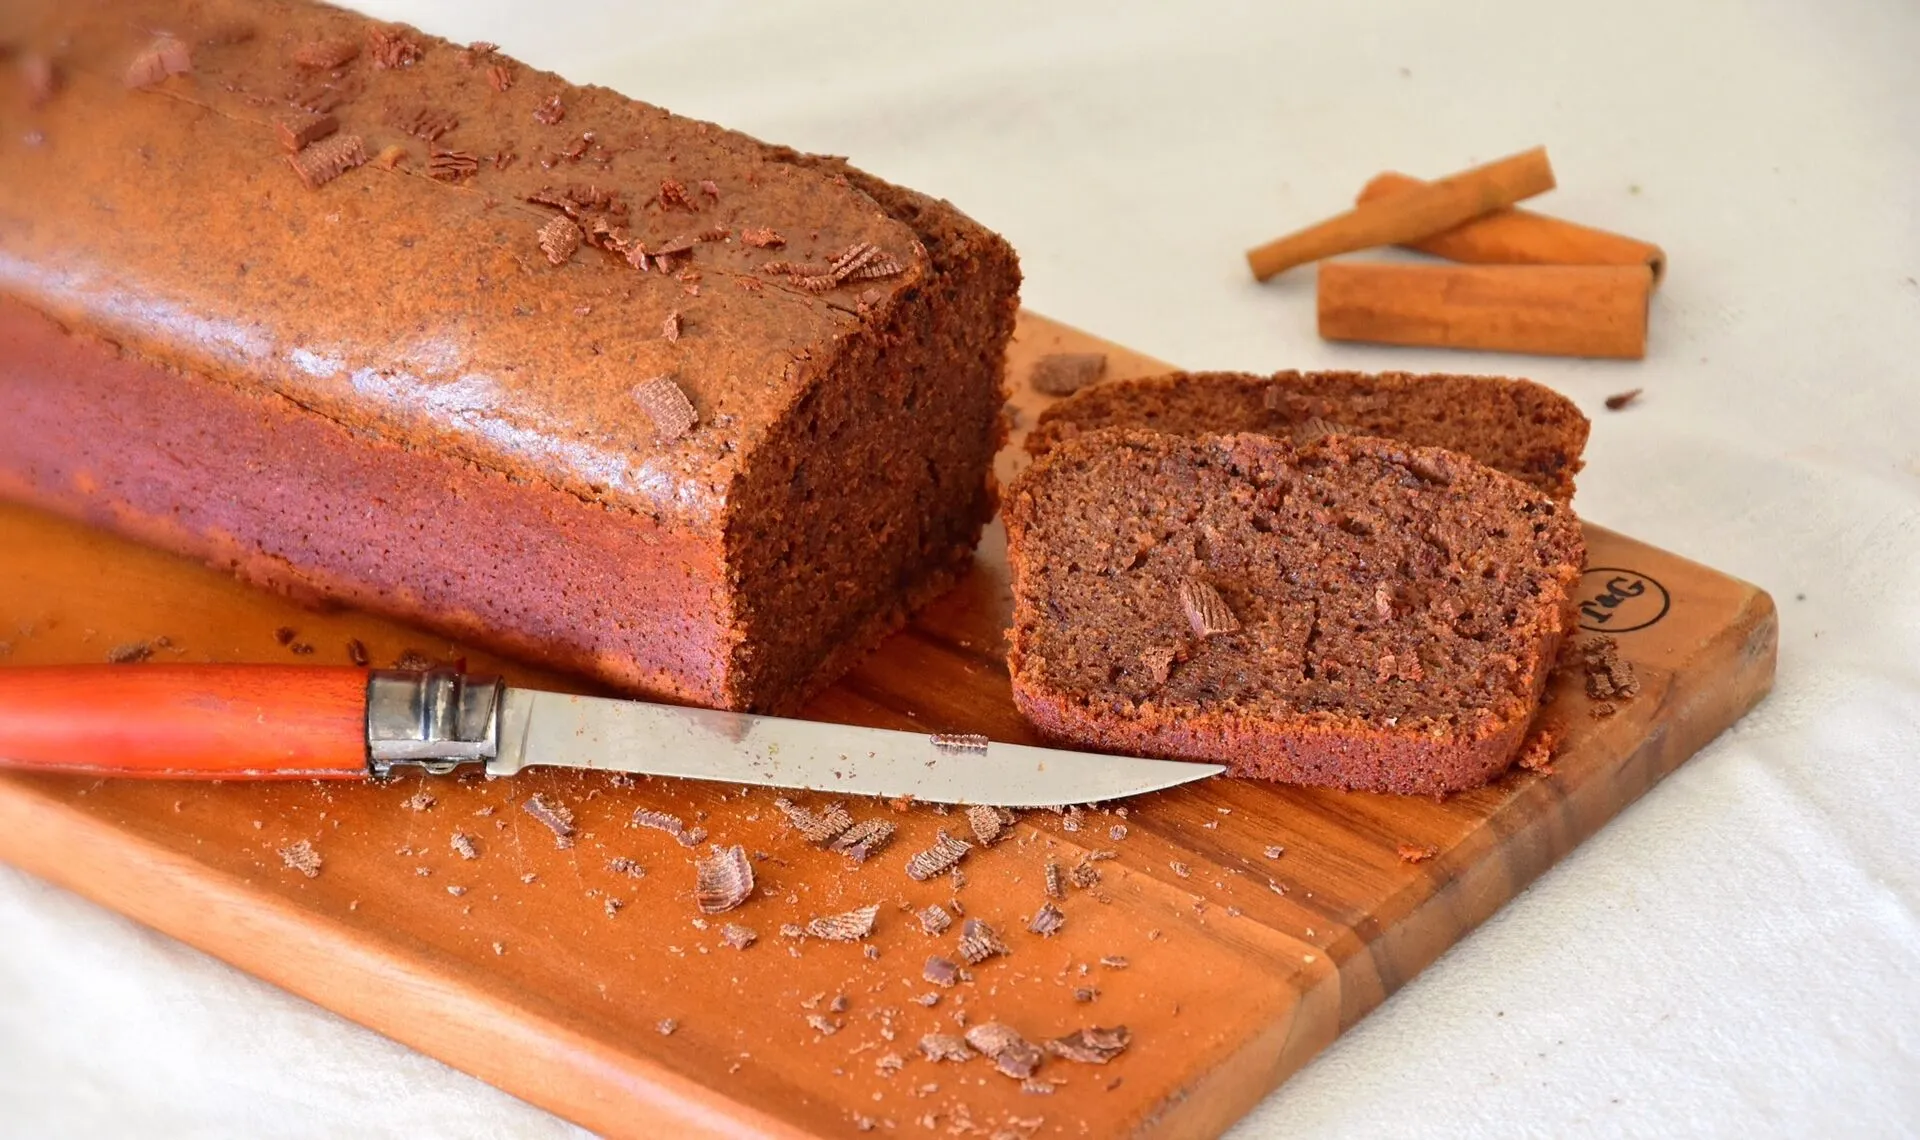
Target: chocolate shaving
(674, 196)
(880, 265)
(451, 165)
(1055, 888)
(325, 55)
(328, 159)
(934, 919)
(300, 856)
(822, 1024)
(131, 653)
(163, 57)
(987, 823)
(851, 926)
(357, 652)
(670, 328)
(714, 233)
(667, 406)
(392, 156)
(859, 842)
(554, 817)
(1206, 610)
(723, 880)
(710, 188)
(390, 50)
(940, 971)
(1092, 1046)
(815, 827)
(760, 237)
(661, 821)
(559, 238)
(300, 131)
(550, 112)
(424, 123)
(961, 742)
(1064, 373)
(945, 1047)
(737, 936)
(1417, 852)
(1012, 1054)
(978, 942)
(621, 865)
(1047, 921)
(1114, 962)
(500, 77)
(1620, 400)
(945, 852)
(463, 845)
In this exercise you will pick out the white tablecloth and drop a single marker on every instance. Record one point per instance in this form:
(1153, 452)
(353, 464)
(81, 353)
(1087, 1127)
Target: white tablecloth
(1737, 955)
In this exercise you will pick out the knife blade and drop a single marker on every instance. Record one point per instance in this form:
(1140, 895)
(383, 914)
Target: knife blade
(264, 722)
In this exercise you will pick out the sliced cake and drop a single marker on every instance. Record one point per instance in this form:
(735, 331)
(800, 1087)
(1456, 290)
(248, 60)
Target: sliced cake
(1352, 612)
(1528, 431)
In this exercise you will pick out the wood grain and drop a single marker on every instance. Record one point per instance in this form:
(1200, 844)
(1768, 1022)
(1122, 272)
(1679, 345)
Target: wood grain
(1240, 967)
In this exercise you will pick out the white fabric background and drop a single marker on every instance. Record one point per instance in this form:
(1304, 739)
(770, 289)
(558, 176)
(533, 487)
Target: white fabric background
(1738, 955)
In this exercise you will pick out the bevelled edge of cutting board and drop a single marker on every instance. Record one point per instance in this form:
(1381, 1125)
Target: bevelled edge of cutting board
(1257, 964)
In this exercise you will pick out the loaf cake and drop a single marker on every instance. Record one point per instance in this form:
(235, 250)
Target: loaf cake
(1352, 612)
(1528, 431)
(364, 315)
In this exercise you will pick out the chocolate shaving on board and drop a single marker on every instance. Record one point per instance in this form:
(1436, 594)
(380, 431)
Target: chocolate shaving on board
(670, 328)
(163, 57)
(737, 936)
(667, 406)
(1416, 852)
(722, 880)
(850, 926)
(945, 852)
(1093, 1045)
(940, 971)
(815, 827)
(862, 840)
(328, 159)
(978, 942)
(945, 1047)
(463, 845)
(556, 818)
(1056, 888)
(986, 823)
(1012, 1054)
(1207, 612)
(1064, 373)
(1047, 921)
(935, 919)
(300, 856)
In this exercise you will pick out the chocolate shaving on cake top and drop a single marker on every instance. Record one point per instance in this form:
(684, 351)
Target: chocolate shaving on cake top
(723, 880)
(550, 112)
(163, 57)
(325, 55)
(1093, 1045)
(451, 165)
(559, 238)
(674, 196)
(328, 159)
(760, 237)
(667, 406)
(1064, 373)
(851, 926)
(500, 77)
(391, 50)
(300, 131)
(1012, 1054)
(945, 852)
(424, 123)
(1207, 612)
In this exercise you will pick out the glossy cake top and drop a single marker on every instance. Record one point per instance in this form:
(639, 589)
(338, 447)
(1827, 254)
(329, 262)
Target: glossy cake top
(428, 242)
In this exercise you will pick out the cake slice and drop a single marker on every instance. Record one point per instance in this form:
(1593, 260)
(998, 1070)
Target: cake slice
(1352, 612)
(1528, 431)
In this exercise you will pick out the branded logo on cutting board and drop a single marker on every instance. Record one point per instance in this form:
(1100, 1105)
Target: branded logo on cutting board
(1615, 600)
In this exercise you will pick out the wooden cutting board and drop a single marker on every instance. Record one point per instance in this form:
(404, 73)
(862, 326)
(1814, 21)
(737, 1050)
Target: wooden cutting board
(1255, 922)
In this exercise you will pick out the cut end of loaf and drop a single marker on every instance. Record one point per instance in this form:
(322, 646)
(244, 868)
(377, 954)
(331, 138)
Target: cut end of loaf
(1394, 610)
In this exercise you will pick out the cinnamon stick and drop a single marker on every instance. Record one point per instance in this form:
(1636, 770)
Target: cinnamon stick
(1553, 310)
(1410, 216)
(1515, 236)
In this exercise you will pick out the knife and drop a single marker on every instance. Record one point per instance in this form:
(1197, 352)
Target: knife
(291, 722)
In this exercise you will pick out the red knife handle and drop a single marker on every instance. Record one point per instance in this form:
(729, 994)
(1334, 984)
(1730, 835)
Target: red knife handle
(188, 722)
